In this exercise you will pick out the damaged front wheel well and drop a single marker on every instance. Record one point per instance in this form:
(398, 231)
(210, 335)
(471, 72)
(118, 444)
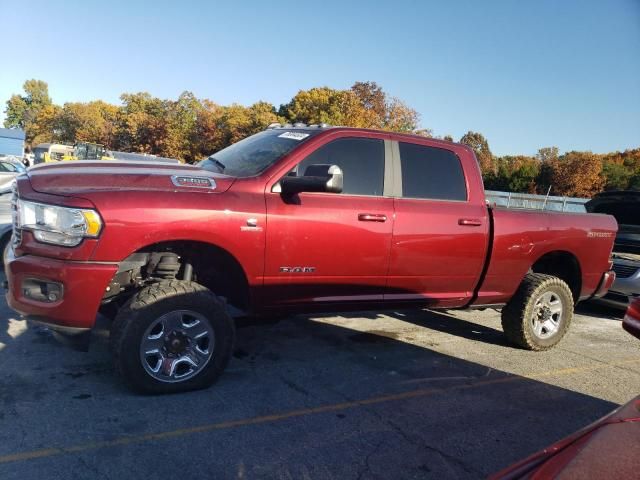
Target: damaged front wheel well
(209, 265)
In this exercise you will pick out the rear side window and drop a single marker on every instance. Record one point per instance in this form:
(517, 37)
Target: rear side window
(433, 173)
(361, 161)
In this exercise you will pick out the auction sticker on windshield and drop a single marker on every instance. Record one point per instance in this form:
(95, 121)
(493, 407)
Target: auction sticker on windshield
(294, 135)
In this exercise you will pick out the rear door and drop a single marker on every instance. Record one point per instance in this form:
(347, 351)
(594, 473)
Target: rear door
(332, 248)
(440, 237)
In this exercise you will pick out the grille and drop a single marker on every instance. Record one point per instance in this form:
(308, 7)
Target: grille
(624, 271)
(17, 233)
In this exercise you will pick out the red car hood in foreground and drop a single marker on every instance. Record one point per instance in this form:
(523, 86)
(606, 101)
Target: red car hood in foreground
(609, 448)
(79, 177)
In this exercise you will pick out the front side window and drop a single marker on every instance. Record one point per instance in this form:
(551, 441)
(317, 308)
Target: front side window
(254, 154)
(431, 173)
(361, 161)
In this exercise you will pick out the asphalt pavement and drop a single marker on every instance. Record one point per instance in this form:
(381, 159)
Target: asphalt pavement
(402, 394)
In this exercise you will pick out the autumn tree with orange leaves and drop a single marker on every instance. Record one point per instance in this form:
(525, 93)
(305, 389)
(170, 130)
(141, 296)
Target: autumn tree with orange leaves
(577, 174)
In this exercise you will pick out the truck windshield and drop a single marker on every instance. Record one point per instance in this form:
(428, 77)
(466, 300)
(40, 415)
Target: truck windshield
(254, 154)
(38, 154)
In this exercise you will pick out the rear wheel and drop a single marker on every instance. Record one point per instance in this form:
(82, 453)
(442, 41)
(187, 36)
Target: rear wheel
(173, 336)
(540, 312)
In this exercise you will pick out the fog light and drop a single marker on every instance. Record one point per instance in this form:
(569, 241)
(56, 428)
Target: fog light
(41, 290)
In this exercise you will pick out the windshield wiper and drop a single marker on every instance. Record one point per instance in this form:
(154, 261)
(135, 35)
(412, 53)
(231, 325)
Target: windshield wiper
(221, 166)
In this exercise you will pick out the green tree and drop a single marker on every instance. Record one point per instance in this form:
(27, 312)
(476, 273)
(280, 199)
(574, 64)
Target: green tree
(218, 127)
(617, 176)
(239, 122)
(523, 177)
(94, 122)
(365, 105)
(325, 105)
(189, 128)
(209, 128)
(483, 153)
(180, 128)
(16, 112)
(634, 182)
(142, 125)
(45, 127)
(514, 174)
(22, 110)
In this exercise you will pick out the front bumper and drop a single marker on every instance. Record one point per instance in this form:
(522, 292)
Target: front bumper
(84, 284)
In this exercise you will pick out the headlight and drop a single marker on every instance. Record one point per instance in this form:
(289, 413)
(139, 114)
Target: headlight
(57, 225)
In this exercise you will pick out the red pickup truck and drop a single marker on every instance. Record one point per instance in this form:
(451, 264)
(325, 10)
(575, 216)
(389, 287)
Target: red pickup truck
(292, 219)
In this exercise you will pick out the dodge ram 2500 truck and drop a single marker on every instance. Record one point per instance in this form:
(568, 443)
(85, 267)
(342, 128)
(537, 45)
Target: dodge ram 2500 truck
(292, 219)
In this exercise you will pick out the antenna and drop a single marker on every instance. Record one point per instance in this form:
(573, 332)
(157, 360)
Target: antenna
(544, 204)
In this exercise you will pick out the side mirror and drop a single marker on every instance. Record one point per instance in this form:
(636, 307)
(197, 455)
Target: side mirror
(317, 178)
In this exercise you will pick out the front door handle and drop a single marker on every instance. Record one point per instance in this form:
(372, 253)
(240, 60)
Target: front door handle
(469, 222)
(372, 217)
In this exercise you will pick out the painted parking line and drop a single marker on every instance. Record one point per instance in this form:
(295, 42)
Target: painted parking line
(150, 437)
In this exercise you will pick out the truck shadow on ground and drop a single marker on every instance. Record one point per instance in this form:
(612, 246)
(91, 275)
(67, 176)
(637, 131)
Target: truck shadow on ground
(300, 397)
(598, 310)
(442, 322)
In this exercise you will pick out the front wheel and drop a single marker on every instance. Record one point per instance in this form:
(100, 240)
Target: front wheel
(540, 312)
(172, 336)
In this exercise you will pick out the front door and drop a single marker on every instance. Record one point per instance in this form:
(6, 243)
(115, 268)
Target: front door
(329, 248)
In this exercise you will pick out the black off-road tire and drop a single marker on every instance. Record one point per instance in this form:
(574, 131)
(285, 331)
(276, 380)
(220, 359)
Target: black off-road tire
(150, 303)
(517, 315)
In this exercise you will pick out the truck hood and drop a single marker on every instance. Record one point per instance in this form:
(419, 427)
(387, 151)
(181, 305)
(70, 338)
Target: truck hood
(625, 207)
(79, 177)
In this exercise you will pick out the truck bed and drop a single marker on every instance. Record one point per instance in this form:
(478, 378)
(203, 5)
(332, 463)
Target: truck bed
(520, 237)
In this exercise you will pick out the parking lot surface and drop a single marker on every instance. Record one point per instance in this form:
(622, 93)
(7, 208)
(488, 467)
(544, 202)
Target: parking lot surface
(405, 394)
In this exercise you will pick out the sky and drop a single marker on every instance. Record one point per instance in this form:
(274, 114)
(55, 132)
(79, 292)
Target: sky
(524, 74)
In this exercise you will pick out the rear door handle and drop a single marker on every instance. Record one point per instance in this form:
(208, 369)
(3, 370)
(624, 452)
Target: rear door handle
(470, 222)
(372, 217)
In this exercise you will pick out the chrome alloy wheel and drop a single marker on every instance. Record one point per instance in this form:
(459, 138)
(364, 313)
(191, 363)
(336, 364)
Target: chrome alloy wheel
(177, 346)
(547, 314)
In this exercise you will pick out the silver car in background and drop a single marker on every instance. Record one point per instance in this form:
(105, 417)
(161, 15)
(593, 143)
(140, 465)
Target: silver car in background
(5, 221)
(9, 170)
